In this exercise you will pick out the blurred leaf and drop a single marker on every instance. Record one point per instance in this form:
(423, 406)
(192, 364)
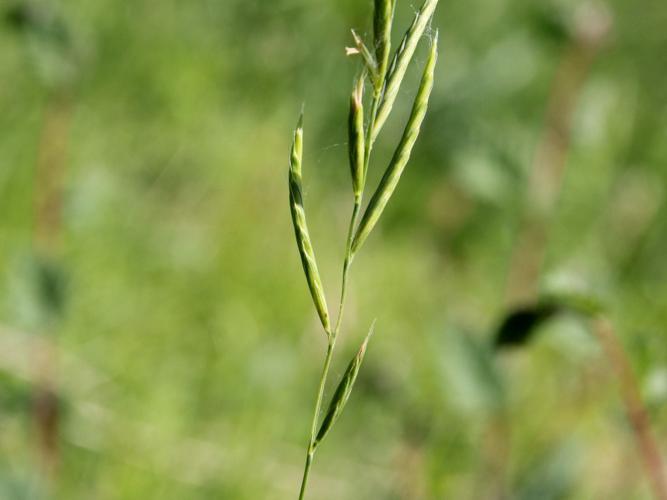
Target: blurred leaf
(51, 288)
(471, 379)
(15, 396)
(38, 291)
(18, 16)
(655, 388)
(551, 476)
(577, 302)
(520, 325)
(549, 23)
(50, 285)
(15, 488)
(37, 20)
(50, 46)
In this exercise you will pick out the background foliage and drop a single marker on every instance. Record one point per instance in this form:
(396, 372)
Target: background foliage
(184, 347)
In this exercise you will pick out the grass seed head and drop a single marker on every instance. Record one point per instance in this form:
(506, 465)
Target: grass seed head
(386, 82)
(401, 155)
(356, 138)
(301, 228)
(382, 21)
(367, 56)
(401, 61)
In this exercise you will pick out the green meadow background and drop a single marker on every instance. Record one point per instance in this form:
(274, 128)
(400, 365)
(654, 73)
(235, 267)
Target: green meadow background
(163, 328)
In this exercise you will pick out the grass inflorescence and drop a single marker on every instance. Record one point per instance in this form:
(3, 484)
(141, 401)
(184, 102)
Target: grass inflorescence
(364, 125)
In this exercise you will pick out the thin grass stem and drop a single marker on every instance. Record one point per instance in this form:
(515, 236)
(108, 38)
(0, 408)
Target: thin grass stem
(330, 349)
(306, 472)
(310, 454)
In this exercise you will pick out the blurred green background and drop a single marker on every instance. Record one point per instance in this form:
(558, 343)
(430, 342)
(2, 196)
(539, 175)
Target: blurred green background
(159, 341)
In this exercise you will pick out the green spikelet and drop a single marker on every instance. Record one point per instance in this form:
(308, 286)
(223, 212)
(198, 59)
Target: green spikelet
(382, 21)
(356, 138)
(400, 63)
(401, 155)
(301, 228)
(369, 60)
(343, 390)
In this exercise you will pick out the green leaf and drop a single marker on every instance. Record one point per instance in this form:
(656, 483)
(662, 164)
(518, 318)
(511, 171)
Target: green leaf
(343, 390)
(471, 379)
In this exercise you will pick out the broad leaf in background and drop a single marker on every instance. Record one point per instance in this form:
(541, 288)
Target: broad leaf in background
(520, 325)
(49, 42)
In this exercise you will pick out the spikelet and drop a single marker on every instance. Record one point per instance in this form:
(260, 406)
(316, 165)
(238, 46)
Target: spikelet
(301, 228)
(356, 138)
(343, 390)
(382, 21)
(400, 62)
(401, 155)
(369, 60)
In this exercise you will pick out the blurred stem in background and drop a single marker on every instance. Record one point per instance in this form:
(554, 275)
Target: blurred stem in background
(647, 446)
(50, 173)
(592, 28)
(48, 205)
(50, 51)
(545, 179)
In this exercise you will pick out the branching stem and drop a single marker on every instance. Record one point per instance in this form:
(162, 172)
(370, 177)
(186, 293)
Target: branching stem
(349, 256)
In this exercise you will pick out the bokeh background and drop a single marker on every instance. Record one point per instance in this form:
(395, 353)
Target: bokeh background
(157, 339)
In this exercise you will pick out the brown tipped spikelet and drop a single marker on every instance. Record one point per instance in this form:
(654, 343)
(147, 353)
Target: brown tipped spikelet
(301, 228)
(401, 155)
(356, 138)
(400, 63)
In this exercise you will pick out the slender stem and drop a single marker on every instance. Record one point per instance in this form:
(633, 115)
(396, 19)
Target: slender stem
(355, 211)
(318, 404)
(330, 348)
(347, 264)
(306, 471)
(320, 391)
(310, 454)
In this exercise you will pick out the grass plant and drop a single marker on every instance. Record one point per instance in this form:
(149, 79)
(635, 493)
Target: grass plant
(385, 79)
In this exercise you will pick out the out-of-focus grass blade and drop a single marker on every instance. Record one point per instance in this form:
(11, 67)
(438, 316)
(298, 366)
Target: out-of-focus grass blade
(343, 390)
